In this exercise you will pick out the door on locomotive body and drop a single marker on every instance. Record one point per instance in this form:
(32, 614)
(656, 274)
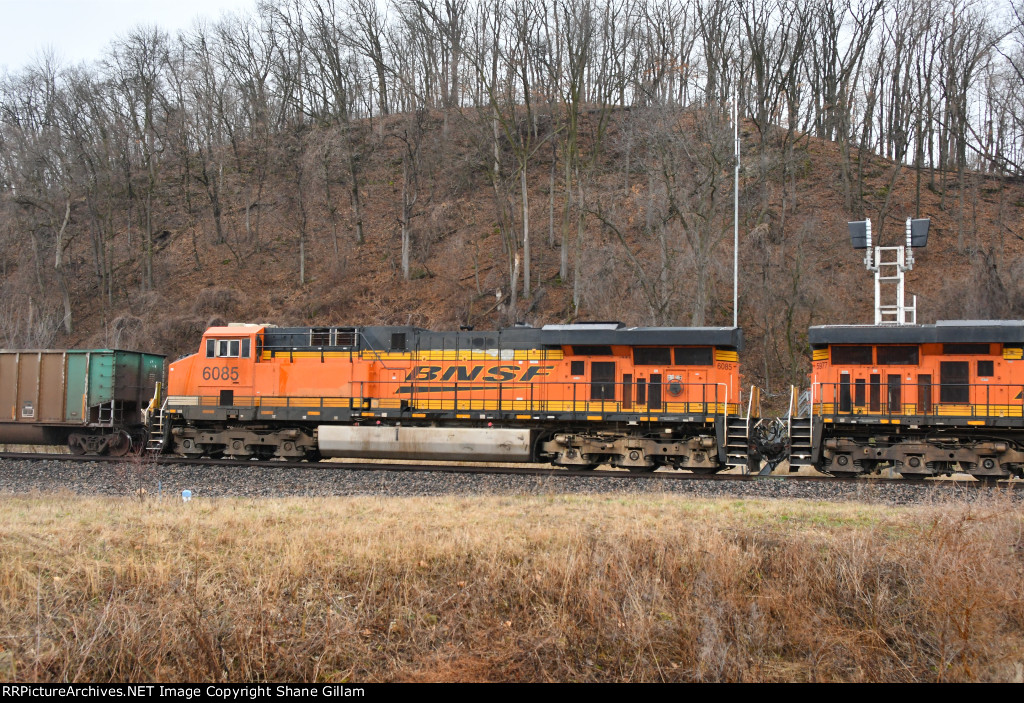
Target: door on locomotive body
(603, 384)
(973, 384)
(224, 374)
(694, 380)
(653, 367)
(570, 394)
(900, 364)
(991, 396)
(593, 383)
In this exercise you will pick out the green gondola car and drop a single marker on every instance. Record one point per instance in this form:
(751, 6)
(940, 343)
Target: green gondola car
(91, 400)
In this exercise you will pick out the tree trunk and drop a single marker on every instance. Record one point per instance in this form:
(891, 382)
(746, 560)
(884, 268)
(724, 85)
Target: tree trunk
(563, 265)
(513, 301)
(577, 291)
(406, 213)
(551, 200)
(526, 232)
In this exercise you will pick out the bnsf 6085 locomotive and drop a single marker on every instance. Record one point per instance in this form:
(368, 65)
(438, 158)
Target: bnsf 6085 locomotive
(574, 395)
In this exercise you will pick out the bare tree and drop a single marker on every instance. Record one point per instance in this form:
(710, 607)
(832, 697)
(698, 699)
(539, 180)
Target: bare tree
(687, 157)
(136, 69)
(42, 173)
(366, 33)
(338, 68)
(247, 48)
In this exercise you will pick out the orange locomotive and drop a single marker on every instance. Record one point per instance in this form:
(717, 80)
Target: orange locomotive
(923, 399)
(574, 395)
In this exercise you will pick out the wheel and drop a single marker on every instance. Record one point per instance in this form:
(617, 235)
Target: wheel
(139, 439)
(264, 452)
(188, 448)
(868, 466)
(238, 450)
(119, 444)
(74, 444)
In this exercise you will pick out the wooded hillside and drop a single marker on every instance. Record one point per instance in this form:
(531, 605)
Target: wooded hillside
(445, 162)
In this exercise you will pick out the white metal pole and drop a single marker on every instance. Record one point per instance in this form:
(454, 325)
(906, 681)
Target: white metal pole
(736, 210)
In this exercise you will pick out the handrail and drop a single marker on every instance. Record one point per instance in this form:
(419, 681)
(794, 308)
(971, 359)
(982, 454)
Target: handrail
(529, 396)
(919, 400)
(816, 384)
(376, 352)
(725, 405)
(789, 412)
(754, 391)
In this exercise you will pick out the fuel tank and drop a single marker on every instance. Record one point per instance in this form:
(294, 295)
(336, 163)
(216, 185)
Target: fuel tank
(439, 443)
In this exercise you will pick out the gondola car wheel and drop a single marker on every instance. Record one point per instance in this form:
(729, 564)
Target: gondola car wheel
(119, 444)
(75, 445)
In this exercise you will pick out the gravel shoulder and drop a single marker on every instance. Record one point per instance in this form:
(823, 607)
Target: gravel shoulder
(263, 481)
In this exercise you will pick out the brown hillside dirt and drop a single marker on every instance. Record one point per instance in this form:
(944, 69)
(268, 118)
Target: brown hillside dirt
(796, 269)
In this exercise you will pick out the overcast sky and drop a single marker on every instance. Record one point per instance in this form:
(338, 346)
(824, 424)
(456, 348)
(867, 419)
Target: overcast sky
(81, 30)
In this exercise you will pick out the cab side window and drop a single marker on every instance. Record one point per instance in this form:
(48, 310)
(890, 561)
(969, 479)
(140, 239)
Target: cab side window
(228, 348)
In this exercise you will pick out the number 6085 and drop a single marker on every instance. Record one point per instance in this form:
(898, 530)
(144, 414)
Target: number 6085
(220, 373)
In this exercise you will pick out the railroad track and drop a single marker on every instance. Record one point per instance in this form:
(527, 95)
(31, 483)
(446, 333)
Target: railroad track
(596, 475)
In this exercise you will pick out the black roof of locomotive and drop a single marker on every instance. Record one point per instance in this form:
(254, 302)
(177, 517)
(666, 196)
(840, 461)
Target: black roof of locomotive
(943, 331)
(381, 337)
(556, 335)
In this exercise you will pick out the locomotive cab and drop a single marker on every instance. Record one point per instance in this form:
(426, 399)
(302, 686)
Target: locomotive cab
(222, 373)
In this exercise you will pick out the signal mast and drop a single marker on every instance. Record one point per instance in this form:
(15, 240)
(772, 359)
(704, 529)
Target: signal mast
(890, 265)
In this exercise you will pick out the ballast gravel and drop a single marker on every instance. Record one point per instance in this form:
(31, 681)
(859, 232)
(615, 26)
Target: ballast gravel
(21, 477)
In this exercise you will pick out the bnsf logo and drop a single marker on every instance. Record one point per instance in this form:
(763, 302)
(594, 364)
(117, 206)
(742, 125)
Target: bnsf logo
(493, 374)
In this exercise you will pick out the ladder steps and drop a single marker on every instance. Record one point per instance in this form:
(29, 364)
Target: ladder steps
(156, 437)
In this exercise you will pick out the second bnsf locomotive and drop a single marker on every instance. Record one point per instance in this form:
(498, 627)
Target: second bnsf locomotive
(925, 400)
(573, 395)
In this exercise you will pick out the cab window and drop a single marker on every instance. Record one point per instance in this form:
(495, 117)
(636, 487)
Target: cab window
(228, 348)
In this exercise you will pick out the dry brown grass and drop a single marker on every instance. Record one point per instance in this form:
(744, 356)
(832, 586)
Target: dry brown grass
(595, 588)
